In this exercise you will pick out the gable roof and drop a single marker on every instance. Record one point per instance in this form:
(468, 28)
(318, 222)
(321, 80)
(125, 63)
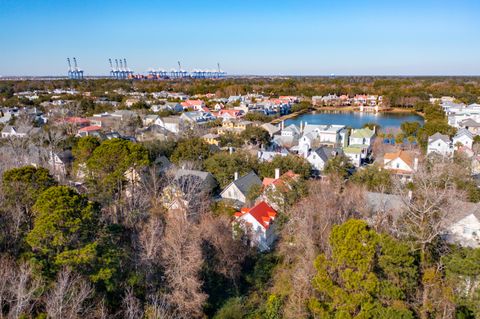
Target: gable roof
(21, 129)
(194, 181)
(465, 132)
(325, 152)
(230, 112)
(263, 213)
(404, 156)
(362, 133)
(188, 172)
(245, 182)
(267, 181)
(438, 136)
(90, 128)
(292, 128)
(395, 204)
(469, 122)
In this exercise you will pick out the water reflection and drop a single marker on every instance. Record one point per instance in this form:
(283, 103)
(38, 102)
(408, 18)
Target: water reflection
(357, 119)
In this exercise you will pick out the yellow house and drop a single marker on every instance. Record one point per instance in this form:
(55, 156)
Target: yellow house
(211, 139)
(234, 127)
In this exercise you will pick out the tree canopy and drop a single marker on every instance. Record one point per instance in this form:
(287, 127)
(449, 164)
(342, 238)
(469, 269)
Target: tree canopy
(110, 161)
(224, 165)
(366, 276)
(23, 185)
(192, 149)
(64, 229)
(285, 163)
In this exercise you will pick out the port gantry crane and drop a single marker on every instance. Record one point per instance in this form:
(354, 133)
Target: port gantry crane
(74, 73)
(70, 72)
(129, 72)
(78, 73)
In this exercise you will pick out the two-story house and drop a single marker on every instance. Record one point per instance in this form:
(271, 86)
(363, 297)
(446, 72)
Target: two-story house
(257, 223)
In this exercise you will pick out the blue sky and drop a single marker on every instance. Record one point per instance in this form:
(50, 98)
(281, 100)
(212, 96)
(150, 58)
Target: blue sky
(344, 37)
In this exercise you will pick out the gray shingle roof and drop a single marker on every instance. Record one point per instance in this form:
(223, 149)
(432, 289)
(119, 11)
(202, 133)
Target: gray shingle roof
(469, 123)
(463, 131)
(438, 136)
(245, 182)
(325, 152)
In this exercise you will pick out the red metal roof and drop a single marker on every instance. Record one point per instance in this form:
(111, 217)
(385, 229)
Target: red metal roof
(90, 128)
(262, 212)
(280, 181)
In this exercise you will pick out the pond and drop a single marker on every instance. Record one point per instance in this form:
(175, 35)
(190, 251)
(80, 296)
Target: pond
(387, 121)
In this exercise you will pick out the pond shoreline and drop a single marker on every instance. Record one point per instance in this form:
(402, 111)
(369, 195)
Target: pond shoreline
(344, 109)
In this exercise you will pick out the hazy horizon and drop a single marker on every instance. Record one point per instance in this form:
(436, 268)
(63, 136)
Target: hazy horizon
(267, 38)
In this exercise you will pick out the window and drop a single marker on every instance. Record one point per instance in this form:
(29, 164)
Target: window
(468, 231)
(398, 165)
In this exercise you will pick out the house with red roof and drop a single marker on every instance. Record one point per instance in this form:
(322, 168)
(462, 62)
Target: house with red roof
(230, 114)
(258, 224)
(274, 189)
(195, 105)
(401, 163)
(77, 121)
(92, 130)
(279, 181)
(288, 98)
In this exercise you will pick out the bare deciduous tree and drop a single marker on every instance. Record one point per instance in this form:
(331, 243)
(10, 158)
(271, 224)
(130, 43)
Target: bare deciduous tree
(68, 297)
(306, 235)
(24, 290)
(182, 260)
(158, 308)
(132, 308)
(427, 204)
(230, 253)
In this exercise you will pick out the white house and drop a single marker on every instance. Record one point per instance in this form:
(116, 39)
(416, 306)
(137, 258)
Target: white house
(196, 117)
(439, 144)
(320, 156)
(168, 106)
(334, 135)
(268, 156)
(463, 225)
(400, 163)
(60, 162)
(288, 137)
(258, 224)
(363, 136)
(463, 137)
(316, 135)
(149, 119)
(171, 123)
(466, 230)
(20, 131)
(355, 154)
(240, 187)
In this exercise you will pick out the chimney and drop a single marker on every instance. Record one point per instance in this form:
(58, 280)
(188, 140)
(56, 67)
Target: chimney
(235, 176)
(415, 164)
(277, 173)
